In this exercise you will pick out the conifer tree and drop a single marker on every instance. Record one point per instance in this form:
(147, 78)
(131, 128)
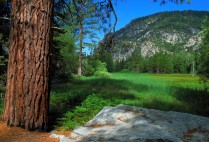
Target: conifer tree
(204, 51)
(28, 74)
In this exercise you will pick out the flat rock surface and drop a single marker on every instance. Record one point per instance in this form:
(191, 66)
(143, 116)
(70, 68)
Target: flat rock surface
(135, 124)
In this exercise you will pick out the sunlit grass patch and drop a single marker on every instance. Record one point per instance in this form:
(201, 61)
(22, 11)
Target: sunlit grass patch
(78, 101)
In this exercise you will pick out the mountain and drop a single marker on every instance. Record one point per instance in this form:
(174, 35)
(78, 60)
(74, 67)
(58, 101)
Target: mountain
(171, 32)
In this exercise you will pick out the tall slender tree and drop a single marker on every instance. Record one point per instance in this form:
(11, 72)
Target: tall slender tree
(28, 75)
(86, 13)
(86, 17)
(204, 52)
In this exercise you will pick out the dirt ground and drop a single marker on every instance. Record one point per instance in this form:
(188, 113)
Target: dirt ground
(14, 134)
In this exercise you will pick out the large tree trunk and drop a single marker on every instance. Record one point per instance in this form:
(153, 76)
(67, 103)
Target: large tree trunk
(27, 90)
(80, 50)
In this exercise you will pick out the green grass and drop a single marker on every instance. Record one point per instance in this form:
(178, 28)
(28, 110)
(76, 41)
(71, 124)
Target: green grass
(78, 101)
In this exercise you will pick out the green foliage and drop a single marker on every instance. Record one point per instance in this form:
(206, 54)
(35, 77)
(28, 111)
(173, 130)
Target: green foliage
(77, 102)
(125, 70)
(204, 51)
(136, 61)
(4, 35)
(105, 56)
(120, 65)
(91, 105)
(160, 62)
(2, 88)
(64, 56)
(179, 65)
(102, 74)
(88, 69)
(95, 67)
(1, 105)
(99, 66)
(85, 22)
(3, 63)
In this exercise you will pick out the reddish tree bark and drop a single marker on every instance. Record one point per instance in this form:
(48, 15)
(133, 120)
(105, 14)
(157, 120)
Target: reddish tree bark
(27, 90)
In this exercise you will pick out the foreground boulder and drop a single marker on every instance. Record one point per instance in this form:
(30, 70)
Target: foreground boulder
(135, 124)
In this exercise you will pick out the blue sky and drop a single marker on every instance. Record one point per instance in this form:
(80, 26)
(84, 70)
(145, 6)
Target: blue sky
(128, 10)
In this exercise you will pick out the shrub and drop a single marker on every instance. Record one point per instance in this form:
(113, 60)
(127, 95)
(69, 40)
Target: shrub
(96, 68)
(102, 74)
(99, 66)
(126, 70)
(89, 71)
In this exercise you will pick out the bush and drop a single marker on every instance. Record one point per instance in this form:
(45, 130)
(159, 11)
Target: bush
(126, 70)
(89, 71)
(99, 66)
(75, 76)
(102, 74)
(96, 68)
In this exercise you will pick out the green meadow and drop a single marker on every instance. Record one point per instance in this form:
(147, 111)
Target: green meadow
(79, 100)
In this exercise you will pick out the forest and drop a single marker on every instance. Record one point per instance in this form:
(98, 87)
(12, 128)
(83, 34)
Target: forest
(56, 73)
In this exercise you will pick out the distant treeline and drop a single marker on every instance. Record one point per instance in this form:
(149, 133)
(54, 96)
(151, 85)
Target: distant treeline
(161, 62)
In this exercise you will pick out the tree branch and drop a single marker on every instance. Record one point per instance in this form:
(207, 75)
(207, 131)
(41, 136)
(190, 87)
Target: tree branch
(71, 14)
(56, 28)
(115, 15)
(77, 10)
(63, 19)
(5, 18)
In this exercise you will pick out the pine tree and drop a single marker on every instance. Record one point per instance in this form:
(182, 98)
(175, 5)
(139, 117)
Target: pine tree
(84, 19)
(28, 74)
(66, 63)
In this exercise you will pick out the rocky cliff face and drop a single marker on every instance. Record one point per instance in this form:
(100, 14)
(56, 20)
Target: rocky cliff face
(167, 31)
